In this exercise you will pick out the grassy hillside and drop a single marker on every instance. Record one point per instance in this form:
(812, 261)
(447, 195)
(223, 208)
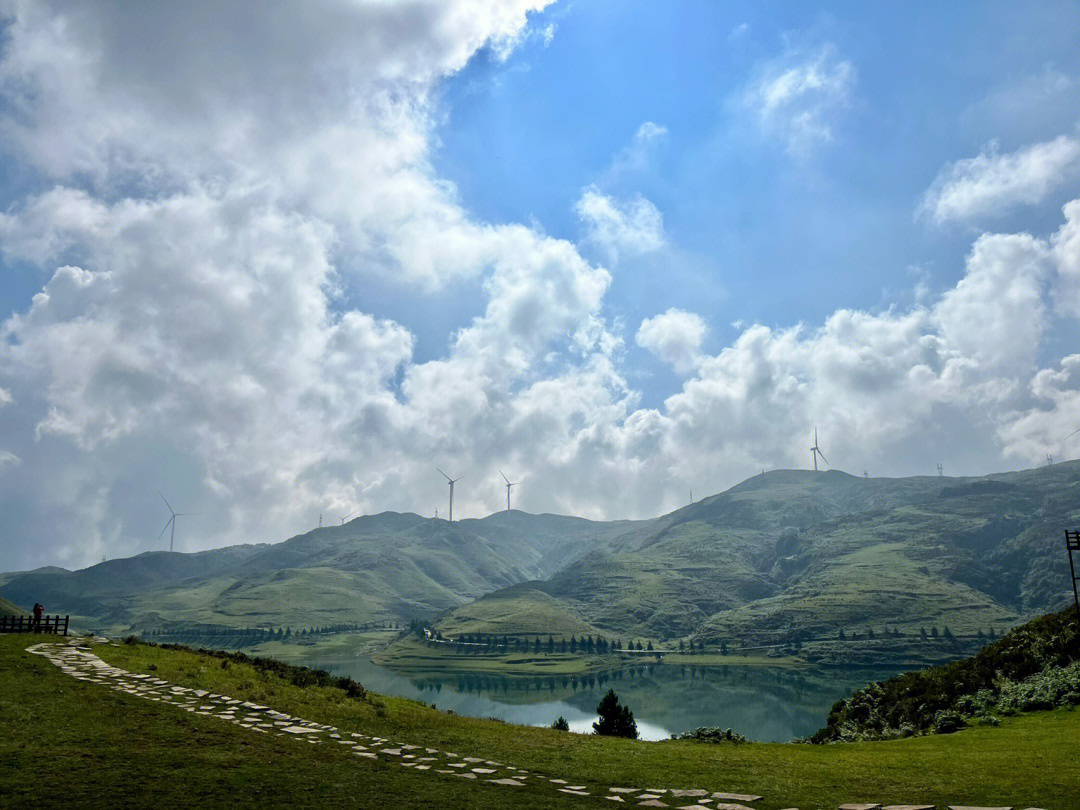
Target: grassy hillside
(788, 555)
(380, 568)
(1036, 666)
(799, 555)
(11, 609)
(185, 759)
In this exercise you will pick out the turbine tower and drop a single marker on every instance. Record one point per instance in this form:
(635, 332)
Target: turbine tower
(815, 451)
(349, 516)
(508, 485)
(1049, 460)
(171, 522)
(452, 481)
(940, 469)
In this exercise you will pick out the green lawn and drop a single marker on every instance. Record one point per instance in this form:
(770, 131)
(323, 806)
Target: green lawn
(105, 747)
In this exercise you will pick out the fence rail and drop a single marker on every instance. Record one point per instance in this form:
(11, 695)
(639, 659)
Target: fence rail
(28, 624)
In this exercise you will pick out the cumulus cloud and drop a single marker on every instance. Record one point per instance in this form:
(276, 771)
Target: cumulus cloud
(628, 227)
(991, 184)
(675, 337)
(798, 96)
(199, 221)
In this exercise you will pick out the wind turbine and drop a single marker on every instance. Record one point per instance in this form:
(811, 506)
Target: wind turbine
(171, 522)
(940, 469)
(1049, 460)
(452, 482)
(349, 516)
(815, 451)
(508, 485)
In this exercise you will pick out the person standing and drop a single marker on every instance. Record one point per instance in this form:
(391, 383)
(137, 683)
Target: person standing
(39, 609)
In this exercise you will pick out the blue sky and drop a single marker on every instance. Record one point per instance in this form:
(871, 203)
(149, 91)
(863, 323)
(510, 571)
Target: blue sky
(283, 261)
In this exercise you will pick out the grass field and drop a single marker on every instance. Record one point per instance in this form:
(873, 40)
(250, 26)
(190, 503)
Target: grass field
(106, 748)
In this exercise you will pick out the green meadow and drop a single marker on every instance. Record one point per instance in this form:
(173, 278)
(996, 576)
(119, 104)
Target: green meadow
(87, 734)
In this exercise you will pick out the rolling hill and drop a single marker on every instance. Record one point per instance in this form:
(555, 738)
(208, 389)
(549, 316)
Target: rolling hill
(787, 554)
(796, 554)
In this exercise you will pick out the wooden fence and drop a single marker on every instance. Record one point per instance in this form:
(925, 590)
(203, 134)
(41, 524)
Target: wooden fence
(27, 624)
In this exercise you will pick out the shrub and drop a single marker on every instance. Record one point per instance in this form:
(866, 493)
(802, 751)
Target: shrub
(560, 724)
(711, 734)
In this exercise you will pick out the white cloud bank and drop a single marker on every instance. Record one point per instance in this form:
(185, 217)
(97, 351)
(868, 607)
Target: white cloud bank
(992, 184)
(198, 219)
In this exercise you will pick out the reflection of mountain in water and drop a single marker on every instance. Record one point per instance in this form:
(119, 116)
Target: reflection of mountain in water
(763, 703)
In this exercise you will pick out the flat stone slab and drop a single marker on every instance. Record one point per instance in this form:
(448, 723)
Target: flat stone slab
(973, 807)
(511, 782)
(746, 797)
(860, 806)
(908, 807)
(652, 803)
(730, 806)
(694, 794)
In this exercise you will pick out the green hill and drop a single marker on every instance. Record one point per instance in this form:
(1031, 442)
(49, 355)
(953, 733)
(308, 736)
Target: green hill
(381, 568)
(800, 555)
(11, 609)
(784, 556)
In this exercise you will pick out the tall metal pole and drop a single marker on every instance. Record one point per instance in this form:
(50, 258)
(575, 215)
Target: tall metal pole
(451, 501)
(1072, 543)
(172, 533)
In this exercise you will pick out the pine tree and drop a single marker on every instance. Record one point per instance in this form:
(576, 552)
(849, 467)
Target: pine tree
(550, 645)
(682, 645)
(615, 720)
(649, 647)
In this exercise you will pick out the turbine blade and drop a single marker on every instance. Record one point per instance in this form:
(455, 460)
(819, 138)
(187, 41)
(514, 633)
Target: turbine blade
(444, 475)
(167, 503)
(823, 457)
(1073, 433)
(167, 522)
(507, 480)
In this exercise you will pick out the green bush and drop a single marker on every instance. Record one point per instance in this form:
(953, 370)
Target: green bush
(615, 720)
(560, 724)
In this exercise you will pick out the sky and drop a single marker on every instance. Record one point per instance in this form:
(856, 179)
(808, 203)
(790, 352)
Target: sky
(275, 260)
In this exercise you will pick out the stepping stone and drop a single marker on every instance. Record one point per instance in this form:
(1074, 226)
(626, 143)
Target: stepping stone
(297, 730)
(466, 775)
(746, 797)
(972, 807)
(367, 754)
(694, 807)
(472, 759)
(574, 792)
(423, 767)
(616, 799)
(512, 782)
(860, 806)
(558, 781)
(649, 795)
(483, 770)
(908, 807)
(730, 806)
(624, 790)
(652, 803)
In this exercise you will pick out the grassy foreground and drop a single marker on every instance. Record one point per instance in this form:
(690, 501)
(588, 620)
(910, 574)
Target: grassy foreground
(105, 748)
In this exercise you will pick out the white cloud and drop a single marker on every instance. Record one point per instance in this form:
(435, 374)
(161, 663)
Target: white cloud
(629, 227)
(991, 184)
(675, 337)
(798, 96)
(200, 220)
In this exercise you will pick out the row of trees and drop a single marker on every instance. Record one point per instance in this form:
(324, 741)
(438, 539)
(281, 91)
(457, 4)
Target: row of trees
(923, 634)
(588, 645)
(246, 636)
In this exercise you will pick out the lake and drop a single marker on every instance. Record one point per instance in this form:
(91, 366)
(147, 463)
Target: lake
(764, 703)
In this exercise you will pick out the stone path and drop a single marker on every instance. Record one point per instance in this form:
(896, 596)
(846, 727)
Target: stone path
(76, 659)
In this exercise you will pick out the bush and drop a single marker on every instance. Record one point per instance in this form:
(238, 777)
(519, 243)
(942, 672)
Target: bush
(560, 724)
(615, 720)
(711, 734)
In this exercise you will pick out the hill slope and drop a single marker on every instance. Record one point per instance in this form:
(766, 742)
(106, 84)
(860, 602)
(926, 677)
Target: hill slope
(387, 567)
(793, 554)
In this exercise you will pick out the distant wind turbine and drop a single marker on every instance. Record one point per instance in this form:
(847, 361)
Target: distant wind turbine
(349, 516)
(815, 451)
(508, 485)
(171, 522)
(452, 482)
(1049, 460)
(940, 469)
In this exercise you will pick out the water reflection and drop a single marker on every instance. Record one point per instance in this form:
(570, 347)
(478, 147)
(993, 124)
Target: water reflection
(764, 703)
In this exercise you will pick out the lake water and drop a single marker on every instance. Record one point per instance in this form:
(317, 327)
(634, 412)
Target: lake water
(764, 703)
